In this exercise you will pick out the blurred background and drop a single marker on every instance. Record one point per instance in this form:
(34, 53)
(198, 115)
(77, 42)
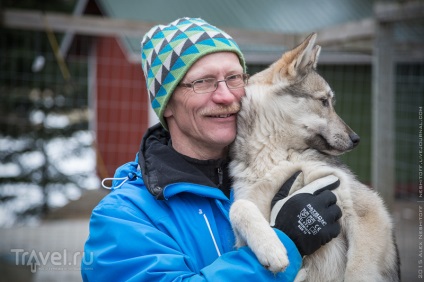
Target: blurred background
(73, 107)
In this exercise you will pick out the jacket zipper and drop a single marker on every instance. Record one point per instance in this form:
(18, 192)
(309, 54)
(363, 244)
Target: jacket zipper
(220, 177)
(218, 252)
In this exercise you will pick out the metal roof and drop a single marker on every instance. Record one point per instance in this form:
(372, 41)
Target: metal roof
(286, 16)
(280, 16)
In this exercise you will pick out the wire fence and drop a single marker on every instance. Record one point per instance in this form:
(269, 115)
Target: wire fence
(60, 135)
(46, 145)
(40, 104)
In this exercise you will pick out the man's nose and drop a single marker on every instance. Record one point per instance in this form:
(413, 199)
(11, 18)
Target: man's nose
(223, 95)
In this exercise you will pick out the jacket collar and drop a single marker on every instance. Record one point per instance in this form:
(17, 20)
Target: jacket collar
(162, 167)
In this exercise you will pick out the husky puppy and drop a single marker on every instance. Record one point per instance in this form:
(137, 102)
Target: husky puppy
(288, 123)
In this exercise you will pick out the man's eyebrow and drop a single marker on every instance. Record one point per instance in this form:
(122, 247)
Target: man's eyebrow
(206, 74)
(194, 77)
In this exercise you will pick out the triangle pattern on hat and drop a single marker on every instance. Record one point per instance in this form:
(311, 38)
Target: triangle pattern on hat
(168, 51)
(194, 29)
(209, 42)
(161, 92)
(195, 36)
(171, 34)
(159, 73)
(156, 62)
(155, 103)
(179, 46)
(181, 35)
(213, 33)
(168, 79)
(158, 35)
(192, 49)
(165, 48)
(166, 61)
(150, 74)
(148, 45)
(224, 41)
(177, 64)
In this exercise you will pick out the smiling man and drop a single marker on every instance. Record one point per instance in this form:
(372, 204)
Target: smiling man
(201, 114)
(166, 218)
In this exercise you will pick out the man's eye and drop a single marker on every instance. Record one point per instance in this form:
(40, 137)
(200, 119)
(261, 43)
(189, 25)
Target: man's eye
(233, 77)
(204, 81)
(200, 81)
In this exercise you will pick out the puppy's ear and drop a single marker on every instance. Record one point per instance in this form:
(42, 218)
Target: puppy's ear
(292, 65)
(304, 53)
(314, 56)
(298, 60)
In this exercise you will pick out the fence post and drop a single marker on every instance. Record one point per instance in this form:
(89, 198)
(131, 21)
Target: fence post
(383, 113)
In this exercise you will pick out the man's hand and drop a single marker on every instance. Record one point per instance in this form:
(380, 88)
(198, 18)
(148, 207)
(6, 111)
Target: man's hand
(310, 215)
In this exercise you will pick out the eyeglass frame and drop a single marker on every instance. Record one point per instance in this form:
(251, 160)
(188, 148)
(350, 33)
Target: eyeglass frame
(245, 79)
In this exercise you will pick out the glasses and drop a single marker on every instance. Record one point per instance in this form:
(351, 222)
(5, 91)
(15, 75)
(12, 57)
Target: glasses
(209, 85)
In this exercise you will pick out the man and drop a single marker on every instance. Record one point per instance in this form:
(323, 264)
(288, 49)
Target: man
(167, 215)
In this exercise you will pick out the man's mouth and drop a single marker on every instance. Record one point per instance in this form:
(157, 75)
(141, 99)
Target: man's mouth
(221, 116)
(221, 112)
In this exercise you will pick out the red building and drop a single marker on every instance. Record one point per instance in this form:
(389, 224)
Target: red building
(121, 106)
(117, 91)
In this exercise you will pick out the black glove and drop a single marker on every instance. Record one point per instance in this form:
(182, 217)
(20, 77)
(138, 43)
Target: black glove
(308, 216)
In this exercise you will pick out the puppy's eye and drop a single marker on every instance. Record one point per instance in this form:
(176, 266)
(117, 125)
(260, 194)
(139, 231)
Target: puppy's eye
(325, 102)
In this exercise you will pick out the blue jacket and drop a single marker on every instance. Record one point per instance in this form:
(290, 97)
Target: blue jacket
(181, 233)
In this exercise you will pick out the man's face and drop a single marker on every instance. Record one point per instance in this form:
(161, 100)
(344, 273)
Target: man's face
(203, 125)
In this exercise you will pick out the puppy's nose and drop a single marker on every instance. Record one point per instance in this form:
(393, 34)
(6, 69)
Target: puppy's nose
(354, 138)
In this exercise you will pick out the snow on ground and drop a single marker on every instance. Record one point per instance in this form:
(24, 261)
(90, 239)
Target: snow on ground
(73, 157)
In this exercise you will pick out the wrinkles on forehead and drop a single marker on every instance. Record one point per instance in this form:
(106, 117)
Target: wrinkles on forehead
(214, 65)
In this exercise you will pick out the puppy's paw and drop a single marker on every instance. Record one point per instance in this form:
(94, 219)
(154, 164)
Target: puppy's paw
(251, 228)
(273, 256)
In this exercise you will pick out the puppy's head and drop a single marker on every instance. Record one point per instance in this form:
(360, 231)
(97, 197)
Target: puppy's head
(295, 103)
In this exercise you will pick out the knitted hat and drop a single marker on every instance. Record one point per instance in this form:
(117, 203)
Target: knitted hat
(168, 52)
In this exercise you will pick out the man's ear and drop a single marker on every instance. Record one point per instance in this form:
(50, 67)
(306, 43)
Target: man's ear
(168, 111)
